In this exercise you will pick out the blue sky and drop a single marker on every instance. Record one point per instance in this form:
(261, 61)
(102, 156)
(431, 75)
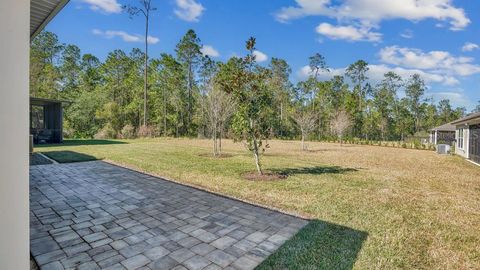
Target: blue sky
(436, 38)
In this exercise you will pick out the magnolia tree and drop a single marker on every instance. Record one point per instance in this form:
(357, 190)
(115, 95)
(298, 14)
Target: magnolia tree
(340, 123)
(245, 81)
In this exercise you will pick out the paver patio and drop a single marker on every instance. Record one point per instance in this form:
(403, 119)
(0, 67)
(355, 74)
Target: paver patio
(94, 215)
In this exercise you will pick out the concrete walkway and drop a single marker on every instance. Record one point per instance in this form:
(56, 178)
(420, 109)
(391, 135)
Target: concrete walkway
(94, 215)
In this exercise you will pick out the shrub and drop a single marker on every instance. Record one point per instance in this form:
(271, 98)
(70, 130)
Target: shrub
(68, 132)
(128, 132)
(107, 132)
(146, 132)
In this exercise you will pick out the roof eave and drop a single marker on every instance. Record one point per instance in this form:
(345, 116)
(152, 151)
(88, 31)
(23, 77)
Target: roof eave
(50, 16)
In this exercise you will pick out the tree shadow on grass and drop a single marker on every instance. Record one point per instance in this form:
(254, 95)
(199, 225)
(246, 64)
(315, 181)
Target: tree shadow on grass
(81, 142)
(316, 170)
(319, 245)
(69, 156)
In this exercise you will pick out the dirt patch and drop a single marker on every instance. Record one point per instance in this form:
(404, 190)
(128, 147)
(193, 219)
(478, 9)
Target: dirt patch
(266, 176)
(210, 155)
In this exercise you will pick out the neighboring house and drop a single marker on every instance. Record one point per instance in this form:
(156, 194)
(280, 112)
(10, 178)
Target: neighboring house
(46, 120)
(468, 137)
(444, 134)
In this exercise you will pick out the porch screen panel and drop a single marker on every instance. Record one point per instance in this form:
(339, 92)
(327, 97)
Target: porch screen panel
(475, 143)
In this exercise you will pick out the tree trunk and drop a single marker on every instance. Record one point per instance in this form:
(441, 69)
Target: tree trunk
(164, 113)
(257, 157)
(190, 86)
(220, 141)
(215, 150)
(303, 141)
(146, 71)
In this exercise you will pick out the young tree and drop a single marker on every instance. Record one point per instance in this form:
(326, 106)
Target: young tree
(340, 123)
(305, 120)
(144, 8)
(220, 107)
(246, 81)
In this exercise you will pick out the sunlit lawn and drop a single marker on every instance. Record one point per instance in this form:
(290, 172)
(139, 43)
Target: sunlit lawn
(375, 207)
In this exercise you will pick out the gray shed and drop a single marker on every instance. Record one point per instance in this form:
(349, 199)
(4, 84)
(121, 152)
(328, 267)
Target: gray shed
(46, 120)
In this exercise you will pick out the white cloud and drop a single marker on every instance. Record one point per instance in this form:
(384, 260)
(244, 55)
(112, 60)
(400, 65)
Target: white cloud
(408, 34)
(469, 46)
(376, 73)
(189, 10)
(107, 6)
(350, 33)
(209, 51)
(372, 12)
(435, 61)
(260, 56)
(125, 36)
(456, 96)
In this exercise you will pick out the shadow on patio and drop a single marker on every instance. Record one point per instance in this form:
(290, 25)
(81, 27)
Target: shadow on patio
(69, 156)
(81, 142)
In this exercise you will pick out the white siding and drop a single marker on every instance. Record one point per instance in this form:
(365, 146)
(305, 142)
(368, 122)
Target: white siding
(462, 151)
(14, 55)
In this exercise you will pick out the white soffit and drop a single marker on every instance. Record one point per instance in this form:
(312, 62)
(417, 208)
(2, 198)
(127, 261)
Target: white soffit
(41, 12)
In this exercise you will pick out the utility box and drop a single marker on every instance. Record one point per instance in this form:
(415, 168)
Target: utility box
(443, 149)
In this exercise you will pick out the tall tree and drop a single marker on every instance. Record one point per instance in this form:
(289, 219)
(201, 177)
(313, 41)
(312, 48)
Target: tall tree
(45, 50)
(317, 64)
(190, 56)
(384, 99)
(144, 8)
(281, 87)
(414, 91)
(70, 69)
(357, 72)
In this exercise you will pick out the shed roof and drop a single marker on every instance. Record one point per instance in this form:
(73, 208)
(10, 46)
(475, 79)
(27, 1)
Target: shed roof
(46, 101)
(41, 12)
(466, 119)
(445, 127)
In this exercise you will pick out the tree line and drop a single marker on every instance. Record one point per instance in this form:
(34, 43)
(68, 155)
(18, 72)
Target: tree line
(190, 94)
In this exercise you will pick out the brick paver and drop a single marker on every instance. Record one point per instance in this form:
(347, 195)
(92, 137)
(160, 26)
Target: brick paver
(95, 215)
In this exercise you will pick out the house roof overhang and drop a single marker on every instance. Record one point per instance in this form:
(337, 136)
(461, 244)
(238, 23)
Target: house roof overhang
(445, 127)
(42, 12)
(473, 118)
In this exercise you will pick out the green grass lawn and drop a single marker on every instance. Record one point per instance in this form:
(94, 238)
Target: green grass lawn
(373, 207)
